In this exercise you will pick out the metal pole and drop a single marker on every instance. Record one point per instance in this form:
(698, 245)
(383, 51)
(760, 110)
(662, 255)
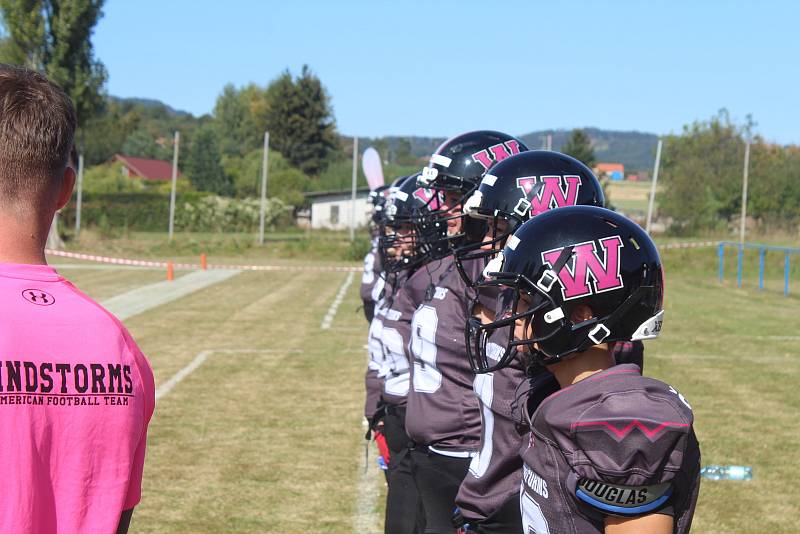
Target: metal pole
(174, 183)
(653, 187)
(721, 254)
(786, 269)
(80, 197)
(761, 253)
(744, 190)
(353, 197)
(739, 265)
(263, 189)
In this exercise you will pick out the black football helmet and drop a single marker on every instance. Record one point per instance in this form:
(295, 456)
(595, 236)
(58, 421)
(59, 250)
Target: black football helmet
(456, 169)
(577, 255)
(377, 198)
(519, 188)
(401, 238)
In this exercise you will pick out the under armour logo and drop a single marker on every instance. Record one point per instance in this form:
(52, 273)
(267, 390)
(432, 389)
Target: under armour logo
(38, 297)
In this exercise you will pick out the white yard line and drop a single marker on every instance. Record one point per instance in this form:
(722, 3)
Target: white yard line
(167, 386)
(369, 480)
(147, 297)
(337, 301)
(193, 365)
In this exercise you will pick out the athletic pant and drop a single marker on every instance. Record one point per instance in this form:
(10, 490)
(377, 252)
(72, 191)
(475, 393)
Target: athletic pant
(438, 478)
(404, 513)
(506, 520)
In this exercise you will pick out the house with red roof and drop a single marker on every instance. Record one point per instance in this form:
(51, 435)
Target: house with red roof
(146, 169)
(615, 171)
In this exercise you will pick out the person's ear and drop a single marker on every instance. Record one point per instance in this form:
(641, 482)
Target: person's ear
(581, 313)
(67, 185)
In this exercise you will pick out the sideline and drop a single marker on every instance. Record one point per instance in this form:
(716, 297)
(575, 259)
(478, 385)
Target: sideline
(147, 297)
(337, 301)
(366, 519)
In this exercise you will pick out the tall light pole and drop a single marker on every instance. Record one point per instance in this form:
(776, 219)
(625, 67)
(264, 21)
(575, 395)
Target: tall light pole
(264, 162)
(353, 196)
(80, 197)
(175, 144)
(744, 190)
(653, 187)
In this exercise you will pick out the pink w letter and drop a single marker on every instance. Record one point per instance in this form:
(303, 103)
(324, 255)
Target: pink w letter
(587, 264)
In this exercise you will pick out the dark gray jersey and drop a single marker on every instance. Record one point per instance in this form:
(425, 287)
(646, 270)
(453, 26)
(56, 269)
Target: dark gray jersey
(396, 314)
(371, 274)
(616, 443)
(496, 471)
(372, 379)
(443, 409)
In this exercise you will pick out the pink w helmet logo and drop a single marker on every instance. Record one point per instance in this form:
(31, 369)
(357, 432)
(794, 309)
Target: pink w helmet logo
(489, 156)
(425, 195)
(587, 273)
(555, 192)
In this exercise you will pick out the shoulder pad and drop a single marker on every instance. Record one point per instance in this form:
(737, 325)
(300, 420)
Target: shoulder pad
(623, 500)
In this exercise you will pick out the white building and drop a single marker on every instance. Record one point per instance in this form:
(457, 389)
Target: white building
(332, 210)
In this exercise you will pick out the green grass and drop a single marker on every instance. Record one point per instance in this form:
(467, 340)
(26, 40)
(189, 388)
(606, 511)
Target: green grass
(243, 247)
(270, 440)
(630, 197)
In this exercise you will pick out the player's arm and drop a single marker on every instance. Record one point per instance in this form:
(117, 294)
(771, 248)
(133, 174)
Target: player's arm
(124, 521)
(646, 524)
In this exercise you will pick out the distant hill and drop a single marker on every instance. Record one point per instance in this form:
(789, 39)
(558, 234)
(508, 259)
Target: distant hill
(151, 103)
(635, 150)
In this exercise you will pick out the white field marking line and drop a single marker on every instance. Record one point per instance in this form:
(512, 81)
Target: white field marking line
(147, 297)
(365, 519)
(107, 267)
(194, 266)
(337, 301)
(693, 244)
(198, 360)
(167, 386)
(369, 479)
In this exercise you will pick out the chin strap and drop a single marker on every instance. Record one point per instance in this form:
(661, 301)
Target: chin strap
(550, 276)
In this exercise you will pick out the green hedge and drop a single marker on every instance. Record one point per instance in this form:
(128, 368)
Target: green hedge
(195, 212)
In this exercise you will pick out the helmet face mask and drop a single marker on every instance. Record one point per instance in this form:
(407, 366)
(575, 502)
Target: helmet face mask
(455, 170)
(402, 239)
(559, 261)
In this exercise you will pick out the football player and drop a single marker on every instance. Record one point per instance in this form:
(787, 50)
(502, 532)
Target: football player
(401, 253)
(443, 417)
(515, 190)
(372, 264)
(612, 451)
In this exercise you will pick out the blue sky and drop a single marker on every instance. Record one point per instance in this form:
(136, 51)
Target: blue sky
(442, 67)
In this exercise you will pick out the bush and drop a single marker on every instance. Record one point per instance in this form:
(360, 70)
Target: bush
(218, 214)
(197, 212)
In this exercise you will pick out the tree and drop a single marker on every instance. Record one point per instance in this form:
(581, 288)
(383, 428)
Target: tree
(701, 170)
(579, 146)
(54, 37)
(240, 119)
(300, 121)
(203, 166)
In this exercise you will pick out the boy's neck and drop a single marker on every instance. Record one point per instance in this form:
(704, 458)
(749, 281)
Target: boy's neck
(582, 365)
(22, 239)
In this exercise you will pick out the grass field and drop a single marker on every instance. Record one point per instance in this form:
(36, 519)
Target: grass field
(630, 197)
(266, 435)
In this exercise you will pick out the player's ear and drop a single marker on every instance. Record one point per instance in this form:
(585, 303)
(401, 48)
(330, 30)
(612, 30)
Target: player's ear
(581, 313)
(67, 184)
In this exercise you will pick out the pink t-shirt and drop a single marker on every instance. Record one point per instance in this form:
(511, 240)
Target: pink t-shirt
(76, 396)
